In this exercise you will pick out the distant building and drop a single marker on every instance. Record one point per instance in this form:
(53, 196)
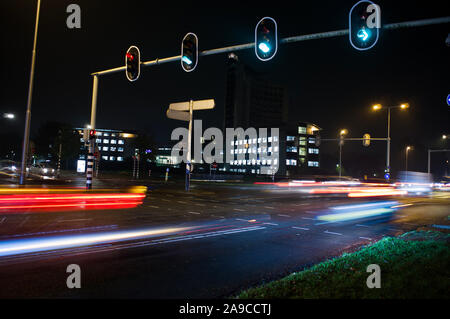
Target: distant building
(297, 152)
(113, 146)
(254, 101)
(251, 99)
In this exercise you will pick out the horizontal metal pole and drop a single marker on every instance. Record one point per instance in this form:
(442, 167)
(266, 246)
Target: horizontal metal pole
(305, 37)
(435, 151)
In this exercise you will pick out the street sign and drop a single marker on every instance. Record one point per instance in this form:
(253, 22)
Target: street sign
(183, 111)
(196, 105)
(178, 115)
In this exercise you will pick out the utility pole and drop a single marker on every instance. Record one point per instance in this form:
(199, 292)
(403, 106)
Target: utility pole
(26, 135)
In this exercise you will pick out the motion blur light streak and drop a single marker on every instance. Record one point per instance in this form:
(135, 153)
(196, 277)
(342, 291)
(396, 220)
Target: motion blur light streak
(21, 246)
(377, 192)
(358, 211)
(86, 200)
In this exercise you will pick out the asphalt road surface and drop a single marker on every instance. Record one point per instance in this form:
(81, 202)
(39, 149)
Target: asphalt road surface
(208, 243)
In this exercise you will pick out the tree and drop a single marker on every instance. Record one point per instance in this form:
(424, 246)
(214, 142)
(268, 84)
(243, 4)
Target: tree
(50, 135)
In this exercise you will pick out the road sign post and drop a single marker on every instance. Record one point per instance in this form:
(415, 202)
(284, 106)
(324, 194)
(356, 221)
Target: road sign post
(184, 111)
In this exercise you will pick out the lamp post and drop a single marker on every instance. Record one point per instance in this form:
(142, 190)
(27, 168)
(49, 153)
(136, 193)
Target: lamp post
(377, 107)
(342, 133)
(26, 136)
(408, 148)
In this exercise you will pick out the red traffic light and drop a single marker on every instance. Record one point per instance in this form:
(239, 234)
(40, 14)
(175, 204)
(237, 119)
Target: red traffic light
(92, 134)
(130, 56)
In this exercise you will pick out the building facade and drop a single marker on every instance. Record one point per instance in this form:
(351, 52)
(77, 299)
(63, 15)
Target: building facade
(114, 147)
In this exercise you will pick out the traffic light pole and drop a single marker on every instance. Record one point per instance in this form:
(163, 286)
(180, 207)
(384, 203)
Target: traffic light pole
(306, 37)
(90, 158)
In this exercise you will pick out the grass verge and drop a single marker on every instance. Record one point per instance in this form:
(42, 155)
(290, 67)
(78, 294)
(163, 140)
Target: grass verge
(413, 265)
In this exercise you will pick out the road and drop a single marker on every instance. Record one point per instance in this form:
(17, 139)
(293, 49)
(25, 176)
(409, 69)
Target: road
(208, 243)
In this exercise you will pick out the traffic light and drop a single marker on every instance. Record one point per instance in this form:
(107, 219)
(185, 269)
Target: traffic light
(366, 139)
(317, 141)
(189, 52)
(364, 25)
(133, 63)
(266, 39)
(92, 134)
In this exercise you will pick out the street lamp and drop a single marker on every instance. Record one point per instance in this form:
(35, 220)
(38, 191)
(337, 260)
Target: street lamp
(9, 116)
(408, 148)
(378, 107)
(342, 133)
(26, 135)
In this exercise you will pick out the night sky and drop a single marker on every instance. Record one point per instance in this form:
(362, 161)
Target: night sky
(329, 82)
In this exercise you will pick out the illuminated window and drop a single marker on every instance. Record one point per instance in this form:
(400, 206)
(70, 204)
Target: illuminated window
(313, 164)
(290, 138)
(120, 141)
(113, 141)
(105, 134)
(270, 139)
(313, 151)
(312, 140)
(112, 148)
(275, 149)
(105, 148)
(291, 149)
(105, 158)
(120, 149)
(301, 130)
(302, 160)
(98, 140)
(105, 141)
(112, 158)
(275, 138)
(82, 140)
(291, 162)
(302, 151)
(302, 140)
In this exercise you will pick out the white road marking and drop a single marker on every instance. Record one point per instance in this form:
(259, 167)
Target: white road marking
(303, 228)
(359, 225)
(282, 215)
(153, 206)
(330, 232)
(272, 224)
(307, 218)
(166, 200)
(366, 238)
(240, 210)
(181, 202)
(194, 213)
(269, 207)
